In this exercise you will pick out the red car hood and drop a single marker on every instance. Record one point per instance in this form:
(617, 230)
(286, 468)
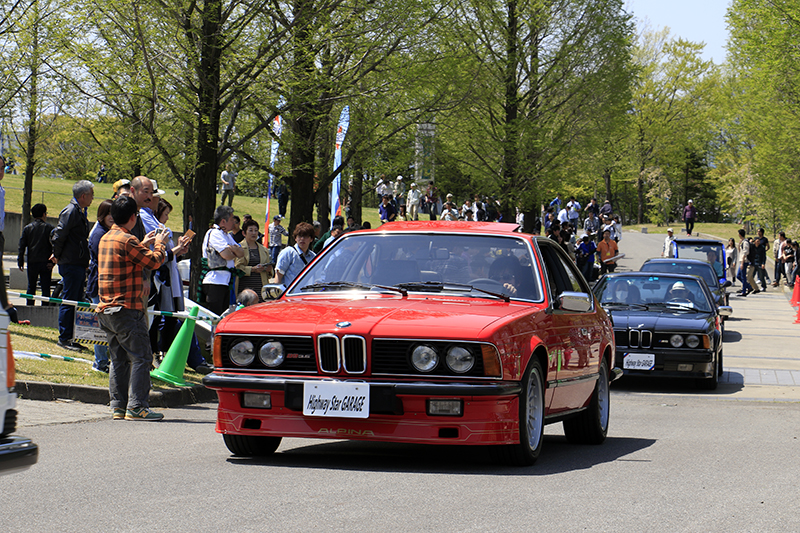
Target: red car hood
(381, 316)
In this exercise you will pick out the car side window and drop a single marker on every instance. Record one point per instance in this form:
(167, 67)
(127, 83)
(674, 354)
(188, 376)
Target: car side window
(572, 276)
(557, 278)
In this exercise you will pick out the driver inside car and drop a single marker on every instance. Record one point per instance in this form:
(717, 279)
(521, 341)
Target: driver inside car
(679, 293)
(506, 270)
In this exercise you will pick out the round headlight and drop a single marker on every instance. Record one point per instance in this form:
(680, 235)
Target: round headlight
(242, 353)
(272, 354)
(692, 341)
(676, 341)
(459, 359)
(424, 358)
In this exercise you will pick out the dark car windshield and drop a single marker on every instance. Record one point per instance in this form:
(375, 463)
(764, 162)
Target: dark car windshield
(713, 254)
(653, 291)
(697, 269)
(426, 263)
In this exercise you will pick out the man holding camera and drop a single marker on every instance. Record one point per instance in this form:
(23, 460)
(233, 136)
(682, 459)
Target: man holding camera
(122, 312)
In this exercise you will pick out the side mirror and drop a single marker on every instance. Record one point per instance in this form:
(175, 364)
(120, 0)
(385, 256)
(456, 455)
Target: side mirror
(272, 291)
(725, 310)
(726, 284)
(578, 302)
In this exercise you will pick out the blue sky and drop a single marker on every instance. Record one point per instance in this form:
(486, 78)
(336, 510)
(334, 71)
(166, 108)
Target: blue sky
(694, 20)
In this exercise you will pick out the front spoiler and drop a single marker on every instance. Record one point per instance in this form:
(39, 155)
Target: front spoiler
(17, 454)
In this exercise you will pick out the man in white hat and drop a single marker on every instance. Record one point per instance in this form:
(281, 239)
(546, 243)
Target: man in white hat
(412, 203)
(666, 251)
(399, 192)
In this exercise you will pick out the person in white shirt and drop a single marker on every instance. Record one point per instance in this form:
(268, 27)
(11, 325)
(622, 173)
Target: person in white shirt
(665, 250)
(220, 250)
(563, 215)
(412, 203)
(276, 234)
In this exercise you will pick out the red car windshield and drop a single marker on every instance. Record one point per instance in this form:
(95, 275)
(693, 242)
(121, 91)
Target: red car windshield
(425, 262)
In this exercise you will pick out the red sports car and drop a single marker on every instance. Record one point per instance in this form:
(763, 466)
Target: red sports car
(423, 332)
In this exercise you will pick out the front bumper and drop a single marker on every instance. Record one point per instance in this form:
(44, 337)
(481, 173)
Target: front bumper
(398, 411)
(16, 454)
(672, 363)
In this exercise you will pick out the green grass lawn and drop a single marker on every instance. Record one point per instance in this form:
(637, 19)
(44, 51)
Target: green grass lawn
(702, 229)
(44, 340)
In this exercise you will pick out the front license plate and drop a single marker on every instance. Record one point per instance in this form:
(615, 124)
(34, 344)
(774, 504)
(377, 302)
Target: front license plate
(336, 399)
(639, 361)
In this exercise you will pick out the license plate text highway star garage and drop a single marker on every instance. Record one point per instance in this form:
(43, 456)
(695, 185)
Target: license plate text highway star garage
(639, 361)
(336, 399)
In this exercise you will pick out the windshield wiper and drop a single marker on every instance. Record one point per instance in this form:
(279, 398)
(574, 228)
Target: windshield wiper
(624, 304)
(672, 306)
(470, 288)
(422, 286)
(351, 285)
(337, 285)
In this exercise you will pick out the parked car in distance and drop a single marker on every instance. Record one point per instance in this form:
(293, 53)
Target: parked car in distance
(665, 325)
(708, 250)
(423, 332)
(16, 453)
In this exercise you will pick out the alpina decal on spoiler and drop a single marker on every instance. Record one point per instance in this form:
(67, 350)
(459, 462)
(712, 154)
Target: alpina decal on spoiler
(344, 432)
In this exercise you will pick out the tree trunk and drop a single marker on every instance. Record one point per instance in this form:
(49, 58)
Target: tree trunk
(205, 178)
(33, 130)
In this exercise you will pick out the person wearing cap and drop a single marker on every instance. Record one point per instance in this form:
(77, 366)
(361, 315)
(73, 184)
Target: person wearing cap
(228, 179)
(666, 250)
(606, 210)
(412, 203)
(276, 234)
(121, 183)
(689, 216)
(399, 192)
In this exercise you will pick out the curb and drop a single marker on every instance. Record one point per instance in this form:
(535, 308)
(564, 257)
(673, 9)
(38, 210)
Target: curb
(37, 390)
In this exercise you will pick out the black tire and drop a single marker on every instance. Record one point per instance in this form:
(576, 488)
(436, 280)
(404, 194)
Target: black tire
(251, 446)
(531, 420)
(591, 425)
(712, 382)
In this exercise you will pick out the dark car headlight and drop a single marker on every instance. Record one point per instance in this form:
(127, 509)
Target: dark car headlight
(424, 358)
(676, 341)
(242, 353)
(459, 359)
(692, 341)
(272, 354)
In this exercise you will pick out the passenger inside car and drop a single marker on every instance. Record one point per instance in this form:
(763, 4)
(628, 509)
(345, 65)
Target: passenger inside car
(679, 293)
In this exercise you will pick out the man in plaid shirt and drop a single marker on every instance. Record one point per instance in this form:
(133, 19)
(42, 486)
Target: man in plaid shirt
(121, 259)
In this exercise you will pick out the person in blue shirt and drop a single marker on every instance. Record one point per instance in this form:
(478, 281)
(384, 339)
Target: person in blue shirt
(293, 259)
(585, 256)
(387, 211)
(556, 201)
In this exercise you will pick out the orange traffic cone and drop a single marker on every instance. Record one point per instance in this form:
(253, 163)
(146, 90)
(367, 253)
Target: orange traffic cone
(796, 292)
(797, 318)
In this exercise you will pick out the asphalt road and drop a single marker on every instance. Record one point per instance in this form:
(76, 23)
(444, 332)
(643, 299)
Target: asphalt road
(676, 459)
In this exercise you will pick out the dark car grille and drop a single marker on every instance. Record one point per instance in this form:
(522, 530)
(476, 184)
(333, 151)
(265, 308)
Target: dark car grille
(394, 357)
(350, 351)
(634, 338)
(299, 352)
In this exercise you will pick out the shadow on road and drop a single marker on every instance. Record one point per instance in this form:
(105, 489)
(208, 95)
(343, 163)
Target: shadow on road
(636, 384)
(731, 336)
(557, 456)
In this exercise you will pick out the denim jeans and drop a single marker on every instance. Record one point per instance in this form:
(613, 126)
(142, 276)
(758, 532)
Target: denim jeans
(100, 352)
(74, 279)
(742, 276)
(131, 358)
